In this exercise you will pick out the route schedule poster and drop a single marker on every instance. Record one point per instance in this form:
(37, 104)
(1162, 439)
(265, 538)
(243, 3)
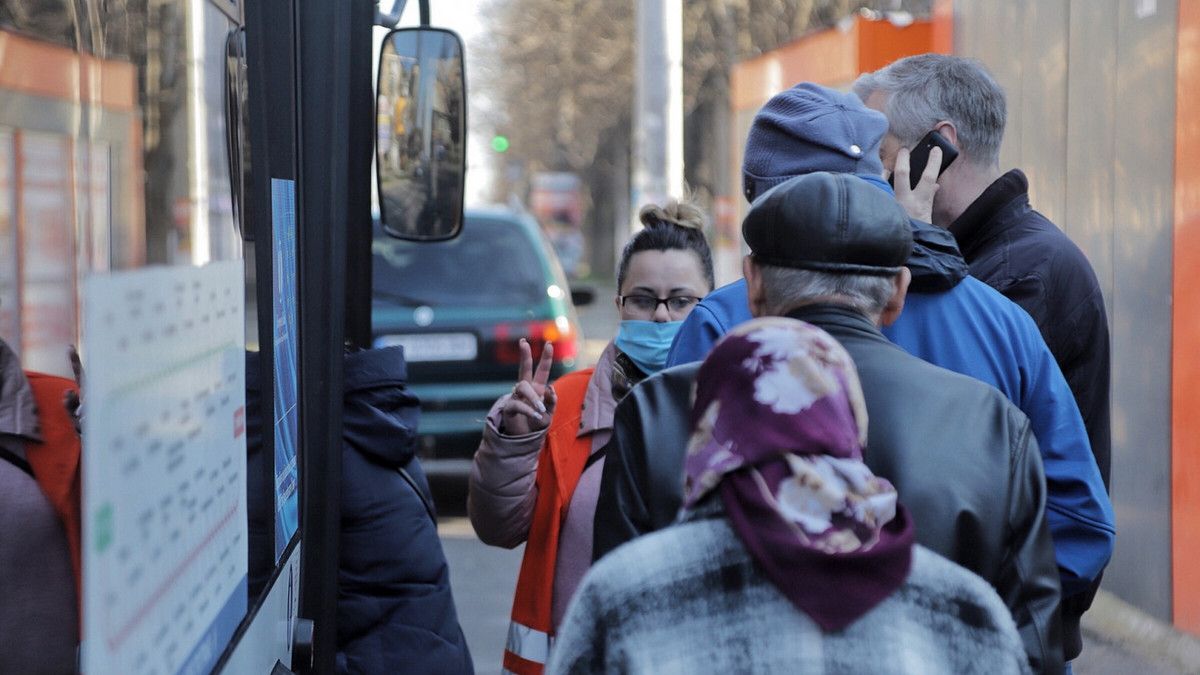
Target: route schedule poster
(286, 351)
(164, 468)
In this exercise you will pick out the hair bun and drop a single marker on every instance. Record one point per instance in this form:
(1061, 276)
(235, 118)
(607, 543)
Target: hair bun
(680, 213)
(676, 226)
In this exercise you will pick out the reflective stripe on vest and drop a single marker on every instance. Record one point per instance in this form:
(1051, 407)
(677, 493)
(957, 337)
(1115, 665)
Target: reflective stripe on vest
(560, 464)
(529, 643)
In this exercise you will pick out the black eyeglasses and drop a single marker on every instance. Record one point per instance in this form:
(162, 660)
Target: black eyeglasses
(648, 304)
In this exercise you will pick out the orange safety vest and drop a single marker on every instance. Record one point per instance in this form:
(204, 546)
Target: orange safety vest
(563, 457)
(55, 461)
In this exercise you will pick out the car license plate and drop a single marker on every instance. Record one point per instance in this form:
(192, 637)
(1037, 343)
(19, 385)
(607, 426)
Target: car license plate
(434, 346)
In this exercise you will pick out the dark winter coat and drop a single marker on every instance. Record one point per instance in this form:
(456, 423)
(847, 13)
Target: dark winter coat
(972, 329)
(39, 621)
(1020, 253)
(395, 609)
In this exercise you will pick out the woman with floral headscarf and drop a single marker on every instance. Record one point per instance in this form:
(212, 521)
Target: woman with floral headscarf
(789, 555)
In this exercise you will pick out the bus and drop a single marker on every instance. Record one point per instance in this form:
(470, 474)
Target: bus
(182, 181)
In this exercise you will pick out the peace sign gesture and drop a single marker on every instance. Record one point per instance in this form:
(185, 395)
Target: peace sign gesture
(532, 402)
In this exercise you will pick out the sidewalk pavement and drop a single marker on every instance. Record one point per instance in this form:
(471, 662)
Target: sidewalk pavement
(1121, 639)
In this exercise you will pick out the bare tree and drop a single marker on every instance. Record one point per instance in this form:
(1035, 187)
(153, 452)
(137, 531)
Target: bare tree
(557, 79)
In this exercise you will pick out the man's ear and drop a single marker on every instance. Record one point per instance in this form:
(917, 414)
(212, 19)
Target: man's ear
(949, 132)
(895, 304)
(755, 294)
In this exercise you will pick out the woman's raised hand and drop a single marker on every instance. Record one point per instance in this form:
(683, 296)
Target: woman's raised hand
(532, 402)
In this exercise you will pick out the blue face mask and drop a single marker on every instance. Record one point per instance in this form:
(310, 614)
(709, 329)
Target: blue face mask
(646, 343)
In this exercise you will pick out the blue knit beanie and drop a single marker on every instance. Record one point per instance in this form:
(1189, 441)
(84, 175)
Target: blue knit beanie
(811, 128)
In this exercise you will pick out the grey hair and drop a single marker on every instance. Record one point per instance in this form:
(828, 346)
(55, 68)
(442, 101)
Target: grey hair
(786, 288)
(926, 89)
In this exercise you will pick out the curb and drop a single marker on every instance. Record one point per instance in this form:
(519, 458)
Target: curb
(1119, 623)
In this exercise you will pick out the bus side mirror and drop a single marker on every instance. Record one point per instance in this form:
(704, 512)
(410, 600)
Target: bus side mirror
(237, 129)
(420, 140)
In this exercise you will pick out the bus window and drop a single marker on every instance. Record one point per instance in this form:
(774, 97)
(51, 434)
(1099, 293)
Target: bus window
(113, 157)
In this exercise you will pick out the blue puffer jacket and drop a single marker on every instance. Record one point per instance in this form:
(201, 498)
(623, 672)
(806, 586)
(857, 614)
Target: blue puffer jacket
(395, 608)
(960, 323)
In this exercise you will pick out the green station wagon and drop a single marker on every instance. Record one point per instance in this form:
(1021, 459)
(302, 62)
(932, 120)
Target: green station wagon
(459, 308)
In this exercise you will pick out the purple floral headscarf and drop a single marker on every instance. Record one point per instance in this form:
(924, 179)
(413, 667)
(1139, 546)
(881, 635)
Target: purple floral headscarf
(779, 423)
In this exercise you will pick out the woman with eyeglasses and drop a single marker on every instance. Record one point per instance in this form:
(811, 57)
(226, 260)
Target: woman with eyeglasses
(536, 475)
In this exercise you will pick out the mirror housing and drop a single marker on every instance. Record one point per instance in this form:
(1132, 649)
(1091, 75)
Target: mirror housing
(420, 140)
(237, 127)
(583, 295)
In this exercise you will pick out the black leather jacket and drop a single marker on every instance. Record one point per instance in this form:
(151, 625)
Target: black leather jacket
(960, 454)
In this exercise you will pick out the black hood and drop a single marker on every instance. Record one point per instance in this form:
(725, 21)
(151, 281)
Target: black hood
(379, 418)
(936, 263)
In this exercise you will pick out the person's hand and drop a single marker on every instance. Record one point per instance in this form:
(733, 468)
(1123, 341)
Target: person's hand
(71, 400)
(917, 202)
(532, 402)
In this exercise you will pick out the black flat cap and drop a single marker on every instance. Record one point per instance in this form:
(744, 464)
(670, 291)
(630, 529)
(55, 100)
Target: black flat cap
(829, 222)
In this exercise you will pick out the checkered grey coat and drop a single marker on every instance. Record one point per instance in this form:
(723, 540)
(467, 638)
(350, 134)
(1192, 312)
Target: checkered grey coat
(688, 599)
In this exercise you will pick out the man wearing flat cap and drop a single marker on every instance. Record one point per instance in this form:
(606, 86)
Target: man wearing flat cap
(950, 319)
(830, 249)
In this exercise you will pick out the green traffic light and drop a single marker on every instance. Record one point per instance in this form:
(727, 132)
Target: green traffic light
(500, 143)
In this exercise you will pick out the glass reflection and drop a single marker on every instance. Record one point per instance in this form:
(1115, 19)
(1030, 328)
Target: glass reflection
(113, 154)
(420, 133)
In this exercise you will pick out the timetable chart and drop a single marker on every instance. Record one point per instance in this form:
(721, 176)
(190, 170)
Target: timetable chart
(164, 461)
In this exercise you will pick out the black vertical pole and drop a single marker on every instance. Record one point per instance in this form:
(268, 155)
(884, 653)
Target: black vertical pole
(361, 151)
(323, 39)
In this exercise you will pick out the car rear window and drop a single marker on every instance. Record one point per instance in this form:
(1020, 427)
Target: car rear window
(490, 263)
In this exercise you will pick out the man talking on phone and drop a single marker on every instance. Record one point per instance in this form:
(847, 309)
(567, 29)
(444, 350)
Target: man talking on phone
(950, 319)
(1007, 244)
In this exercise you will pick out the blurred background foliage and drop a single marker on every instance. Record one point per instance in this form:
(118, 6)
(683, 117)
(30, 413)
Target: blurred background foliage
(556, 79)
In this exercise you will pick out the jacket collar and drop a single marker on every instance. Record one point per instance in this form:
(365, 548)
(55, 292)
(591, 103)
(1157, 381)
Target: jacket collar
(598, 402)
(980, 222)
(367, 369)
(379, 414)
(837, 320)
(935, 261)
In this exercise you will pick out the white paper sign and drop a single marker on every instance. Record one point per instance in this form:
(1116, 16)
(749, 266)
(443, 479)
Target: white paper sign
(164, 468)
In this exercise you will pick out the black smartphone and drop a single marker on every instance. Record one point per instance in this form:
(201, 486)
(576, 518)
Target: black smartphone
(919, 157)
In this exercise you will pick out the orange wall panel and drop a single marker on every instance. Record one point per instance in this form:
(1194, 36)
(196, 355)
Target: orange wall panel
(118, 86)
(826, 57)
(836, 56)
(943, 27)
(880, 43)
(38, 68)
(1185, 376)
(34, 67)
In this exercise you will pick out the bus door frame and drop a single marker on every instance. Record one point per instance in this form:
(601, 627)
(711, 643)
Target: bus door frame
(311, 107)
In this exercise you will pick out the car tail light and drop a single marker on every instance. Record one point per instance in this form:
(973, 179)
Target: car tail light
(560, 332)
